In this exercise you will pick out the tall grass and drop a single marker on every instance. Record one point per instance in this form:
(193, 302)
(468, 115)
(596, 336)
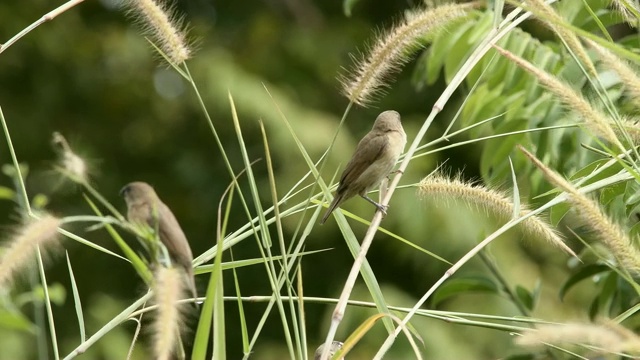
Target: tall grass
(496, 67)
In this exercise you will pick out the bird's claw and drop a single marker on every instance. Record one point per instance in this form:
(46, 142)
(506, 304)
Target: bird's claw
(380, 207)
(383, 209)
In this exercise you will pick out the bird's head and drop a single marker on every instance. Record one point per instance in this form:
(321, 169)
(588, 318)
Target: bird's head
(388, 121)
(137, 192)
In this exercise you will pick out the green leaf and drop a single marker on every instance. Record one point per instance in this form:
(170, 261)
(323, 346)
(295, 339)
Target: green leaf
(419, 76)
(511, 78)
(492, 164)
(434, 60)
(463, 285)
(347, 5)
(607, 294)
(40, 201)
(456, 38)
(460, 51)
(57, 293)
(525, 297)
(515, 106)
(611, 192)
(558, 212)
(593, 308)
(582, 273)
(632, 193)
(590, 168)
(535, 294)
(476, 105)
(634, 232)
(7, 193)
(15, 321)
(10, 170)
(631, 207)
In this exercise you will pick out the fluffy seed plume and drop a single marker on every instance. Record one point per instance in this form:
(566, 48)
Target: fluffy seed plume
(607, 231)
(393, 49)
(631, 126)
(20, 251)
(607, 336)
(550, 17)
(169, 289)
(596, 121)
(493, 201)
(158, 19)
(624, 9)
(71, 164)
(628, 76)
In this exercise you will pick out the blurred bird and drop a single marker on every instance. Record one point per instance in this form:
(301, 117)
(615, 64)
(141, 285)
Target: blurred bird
(374, 158)
(335, 346)
(144, 207)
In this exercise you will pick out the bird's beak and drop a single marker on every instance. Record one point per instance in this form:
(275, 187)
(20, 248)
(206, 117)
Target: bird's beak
(124, 190)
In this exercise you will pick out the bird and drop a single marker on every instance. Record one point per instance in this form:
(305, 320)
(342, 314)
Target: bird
(144, 207)
(373, 160)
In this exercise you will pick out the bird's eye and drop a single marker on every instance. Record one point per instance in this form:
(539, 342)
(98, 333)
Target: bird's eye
(125, 190)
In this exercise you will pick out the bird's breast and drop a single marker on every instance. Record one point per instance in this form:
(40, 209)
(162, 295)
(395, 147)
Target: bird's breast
(397, 142)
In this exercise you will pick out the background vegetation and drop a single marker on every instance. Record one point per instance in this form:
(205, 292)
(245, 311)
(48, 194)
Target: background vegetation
(92, 76)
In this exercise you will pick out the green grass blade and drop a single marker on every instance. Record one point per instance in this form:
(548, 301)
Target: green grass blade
(266, 240)
(76, 301)
(203, 269)
(139, 265)
(241, 314)
(47, 303)
(283, 248)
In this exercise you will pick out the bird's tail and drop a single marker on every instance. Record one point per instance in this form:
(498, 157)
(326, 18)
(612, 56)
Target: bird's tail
(334, 204)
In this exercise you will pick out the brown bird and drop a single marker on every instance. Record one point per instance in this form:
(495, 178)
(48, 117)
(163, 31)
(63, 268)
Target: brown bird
(144, 207)
(374, 158)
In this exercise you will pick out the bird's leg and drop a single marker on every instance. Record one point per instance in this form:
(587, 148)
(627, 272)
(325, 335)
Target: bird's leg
(382, 208)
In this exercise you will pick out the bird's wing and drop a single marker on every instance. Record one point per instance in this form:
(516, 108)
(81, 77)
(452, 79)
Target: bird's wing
(173, 237)
(368, 151)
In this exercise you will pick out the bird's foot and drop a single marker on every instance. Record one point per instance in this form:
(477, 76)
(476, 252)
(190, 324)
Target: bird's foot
(382, 209)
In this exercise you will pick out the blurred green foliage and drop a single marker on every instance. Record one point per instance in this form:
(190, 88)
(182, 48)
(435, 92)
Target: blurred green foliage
(90, 75)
